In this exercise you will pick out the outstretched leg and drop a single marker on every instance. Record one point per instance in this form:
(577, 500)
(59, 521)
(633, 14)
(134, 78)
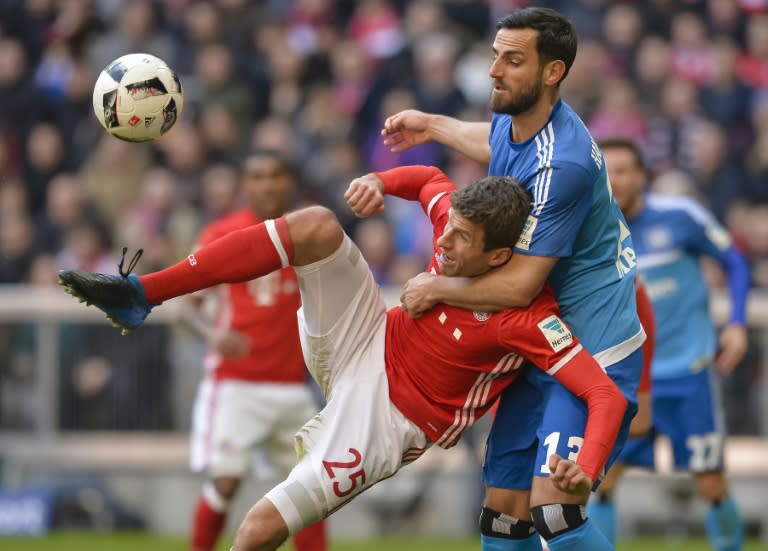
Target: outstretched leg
(298, 238)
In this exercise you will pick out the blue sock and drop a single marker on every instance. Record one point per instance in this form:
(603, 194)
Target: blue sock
(603, 514)
(490, 543)
(725, 527)
(586, 536)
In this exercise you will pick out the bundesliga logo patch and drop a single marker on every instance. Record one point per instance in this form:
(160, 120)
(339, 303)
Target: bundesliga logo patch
(556, 332)
(524, 241)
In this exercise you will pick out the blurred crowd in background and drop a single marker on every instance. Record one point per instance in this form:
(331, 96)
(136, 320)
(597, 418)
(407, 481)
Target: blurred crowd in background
(314, 79)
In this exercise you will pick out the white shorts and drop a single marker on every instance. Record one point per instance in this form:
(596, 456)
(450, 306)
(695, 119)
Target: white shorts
(231, 419)
(360, 437)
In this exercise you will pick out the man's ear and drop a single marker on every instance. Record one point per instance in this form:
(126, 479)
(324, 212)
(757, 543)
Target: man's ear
(500, 256)
(553, 72)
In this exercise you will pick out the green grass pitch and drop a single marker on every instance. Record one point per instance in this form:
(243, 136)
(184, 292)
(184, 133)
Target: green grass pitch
(145, 542)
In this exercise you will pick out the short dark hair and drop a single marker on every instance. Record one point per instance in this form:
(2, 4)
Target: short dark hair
(499, 204)
(282, 160)
(557, 37)
(620, 142)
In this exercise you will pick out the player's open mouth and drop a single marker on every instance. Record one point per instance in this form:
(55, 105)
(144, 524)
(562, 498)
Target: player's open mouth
(443, 259)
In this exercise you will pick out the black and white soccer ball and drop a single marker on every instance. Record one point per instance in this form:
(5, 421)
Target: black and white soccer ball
(137, 98)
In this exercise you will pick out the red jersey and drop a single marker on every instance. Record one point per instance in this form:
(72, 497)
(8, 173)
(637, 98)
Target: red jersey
(648, 321)
(447, 367)
(263, 309)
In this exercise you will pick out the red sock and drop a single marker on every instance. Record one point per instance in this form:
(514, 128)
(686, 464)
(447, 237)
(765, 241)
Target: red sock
(239, 256)
(311, 538)
(206, 526)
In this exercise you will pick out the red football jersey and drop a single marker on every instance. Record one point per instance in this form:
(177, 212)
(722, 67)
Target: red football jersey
(448, 367)
(263, 309)
(648, 321)
(432, 361)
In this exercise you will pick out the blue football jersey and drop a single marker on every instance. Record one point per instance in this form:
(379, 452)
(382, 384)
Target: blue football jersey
(670, 234)
(575, 218)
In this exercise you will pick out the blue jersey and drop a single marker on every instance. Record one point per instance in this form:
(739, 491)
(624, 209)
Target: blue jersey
(670, 234)
(575, 218)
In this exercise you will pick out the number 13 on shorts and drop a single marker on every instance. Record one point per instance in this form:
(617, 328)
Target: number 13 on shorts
(552, 441)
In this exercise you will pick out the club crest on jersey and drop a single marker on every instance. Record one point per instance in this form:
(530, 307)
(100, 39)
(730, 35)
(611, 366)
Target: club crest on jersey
(524, 241)
(556, 332)
(482, 316)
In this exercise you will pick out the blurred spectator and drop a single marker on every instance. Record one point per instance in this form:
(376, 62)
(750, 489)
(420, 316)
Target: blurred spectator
(137, 29)
(276, 134)
(374, 237)
(158, 223)
(221, 133)
(46, 156)
(669, 143)
(690, 54)
(472, 75)
(719, 179)
(351, 77)
(725, 17)
(623, 30)
(375, 26)
(378, 156)
(219, 193)
(434, 81)
(16, 247)
(65, 206)
(286, 73)
(87, 247)
(753, 66)
(114, 382)
(651, 71)
(725, 98)
(584, 83)
(110, 175)
(308, 23)
(20, 102)
(756, 158)
(619, 114)
(185, 154)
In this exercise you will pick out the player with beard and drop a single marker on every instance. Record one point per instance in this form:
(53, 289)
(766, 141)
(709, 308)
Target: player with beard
(575, 239)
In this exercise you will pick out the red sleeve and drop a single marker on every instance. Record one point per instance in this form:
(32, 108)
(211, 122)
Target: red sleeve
(645, 313)
(417, 183)
(584, 377)
(544, 339)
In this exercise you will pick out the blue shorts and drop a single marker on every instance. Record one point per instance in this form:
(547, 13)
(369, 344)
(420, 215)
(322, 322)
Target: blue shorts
(687, 410)
(537, 417)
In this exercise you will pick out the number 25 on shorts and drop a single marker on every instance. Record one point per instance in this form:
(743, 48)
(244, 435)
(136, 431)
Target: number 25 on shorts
(355, 478)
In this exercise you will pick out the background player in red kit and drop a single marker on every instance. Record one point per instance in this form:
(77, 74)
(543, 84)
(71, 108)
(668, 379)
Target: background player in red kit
(394, 384)
(254, 391)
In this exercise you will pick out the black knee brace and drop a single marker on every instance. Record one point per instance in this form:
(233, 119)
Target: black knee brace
(499, 525)
(555, 519)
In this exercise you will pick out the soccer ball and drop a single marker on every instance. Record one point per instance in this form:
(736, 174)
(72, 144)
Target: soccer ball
(137, 98)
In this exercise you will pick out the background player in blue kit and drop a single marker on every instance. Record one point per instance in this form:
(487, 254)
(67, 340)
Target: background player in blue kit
(576, 238)
(670, 234)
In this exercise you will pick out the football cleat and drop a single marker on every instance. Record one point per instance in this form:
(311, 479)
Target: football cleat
(121, 297)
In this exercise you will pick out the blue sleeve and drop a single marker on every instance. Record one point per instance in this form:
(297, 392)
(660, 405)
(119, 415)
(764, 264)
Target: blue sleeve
(739, 279)
(562, 197)
(708, 237)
